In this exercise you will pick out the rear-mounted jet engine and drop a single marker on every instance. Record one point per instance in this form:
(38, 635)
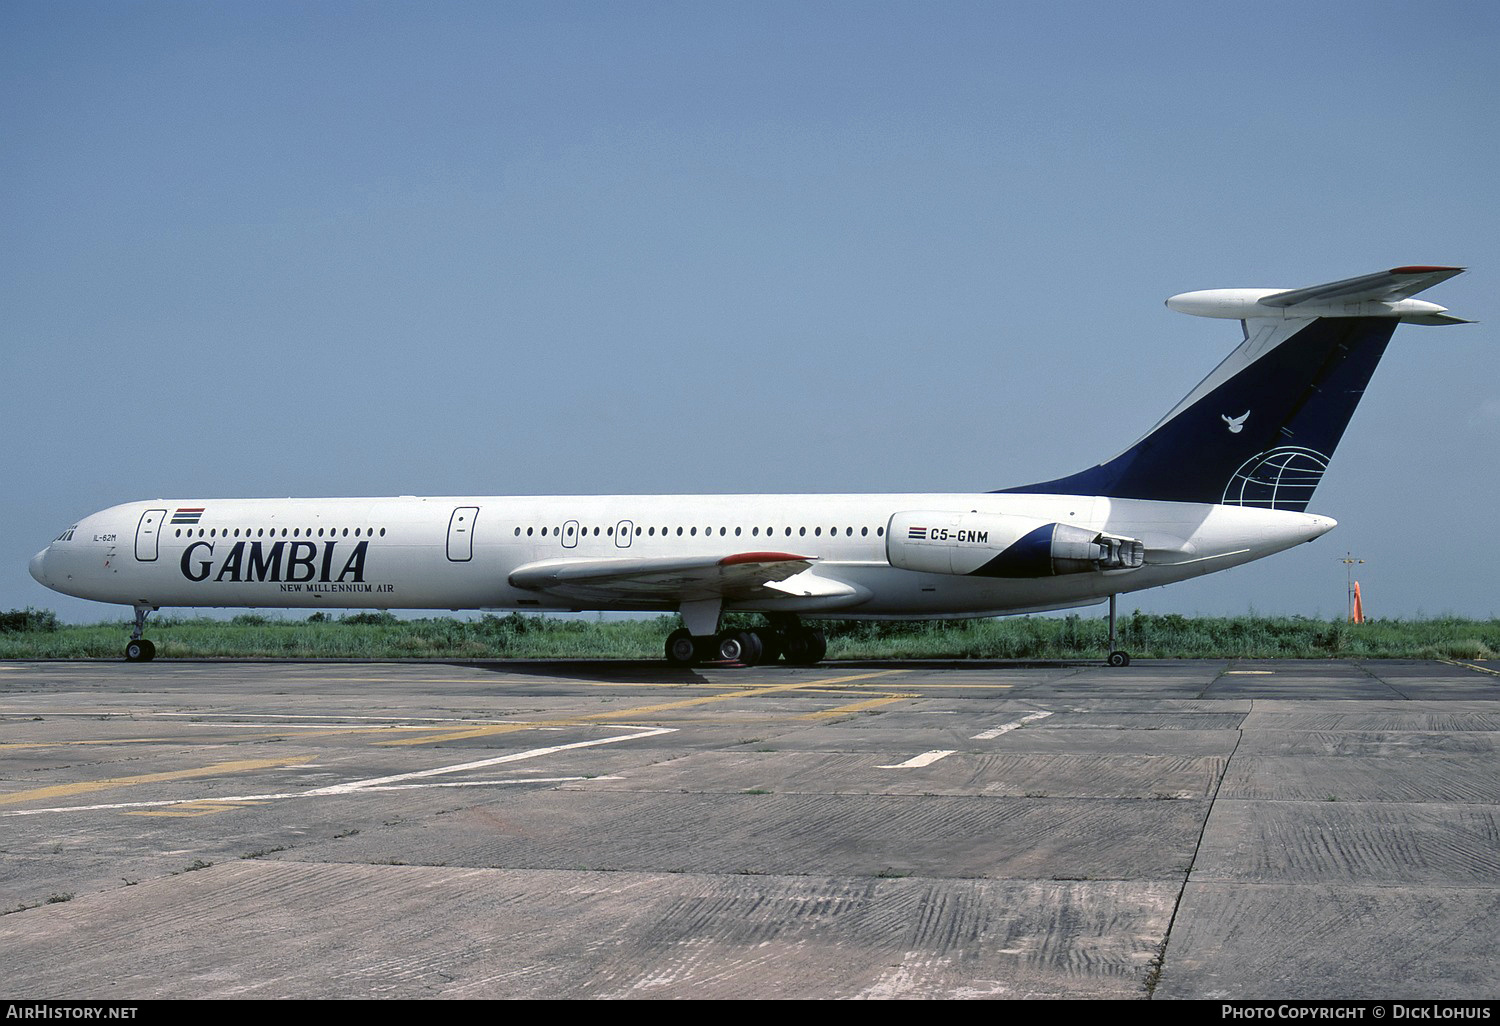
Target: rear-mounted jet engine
(999, 545)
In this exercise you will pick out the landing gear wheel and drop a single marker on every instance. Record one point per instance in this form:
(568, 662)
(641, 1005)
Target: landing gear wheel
(1119, 658)
(770, 645)
(681, 649)
(138, 649)
(738, 647)
(806, 648)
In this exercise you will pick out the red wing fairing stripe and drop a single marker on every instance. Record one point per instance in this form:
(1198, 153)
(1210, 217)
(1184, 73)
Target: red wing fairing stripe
(762, 557)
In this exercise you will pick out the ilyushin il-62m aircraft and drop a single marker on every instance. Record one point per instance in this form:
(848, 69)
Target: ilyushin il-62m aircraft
(1224, 478)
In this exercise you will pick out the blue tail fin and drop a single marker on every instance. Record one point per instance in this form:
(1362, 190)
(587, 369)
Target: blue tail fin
(1260, 430)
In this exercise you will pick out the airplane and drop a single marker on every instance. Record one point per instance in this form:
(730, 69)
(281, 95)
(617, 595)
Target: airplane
(1223, 479)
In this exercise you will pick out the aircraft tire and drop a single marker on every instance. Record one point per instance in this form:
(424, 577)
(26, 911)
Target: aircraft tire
(755, 649)
(737, 647)
(681, 649)
(806, 648)
(770, 645)
(1119, 658)
(139, 651)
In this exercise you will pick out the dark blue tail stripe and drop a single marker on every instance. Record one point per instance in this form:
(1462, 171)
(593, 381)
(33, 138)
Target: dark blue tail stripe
(1299, 398)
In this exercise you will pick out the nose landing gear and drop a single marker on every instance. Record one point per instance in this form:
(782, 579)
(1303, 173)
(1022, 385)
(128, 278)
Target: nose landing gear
(138, 649)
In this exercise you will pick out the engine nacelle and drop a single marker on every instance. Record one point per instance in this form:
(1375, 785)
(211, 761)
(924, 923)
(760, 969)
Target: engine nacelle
(999, 545)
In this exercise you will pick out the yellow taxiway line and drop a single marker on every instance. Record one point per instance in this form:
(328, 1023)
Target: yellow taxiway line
(87, 786)
(1471, 666)
(635, 713)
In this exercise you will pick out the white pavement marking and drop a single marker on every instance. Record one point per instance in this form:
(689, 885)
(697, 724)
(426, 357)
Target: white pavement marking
(252, 799)
(1006, 728)
(918, 761)
(359, 785)
(928, 758)
(489, 783)
(374, 783)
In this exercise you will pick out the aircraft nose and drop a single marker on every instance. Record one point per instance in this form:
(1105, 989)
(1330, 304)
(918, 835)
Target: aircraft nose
(38, 567)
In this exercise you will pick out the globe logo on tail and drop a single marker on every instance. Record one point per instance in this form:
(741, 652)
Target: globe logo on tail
(1281, 478)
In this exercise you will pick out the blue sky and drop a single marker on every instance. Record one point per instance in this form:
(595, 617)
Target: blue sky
(529, 248)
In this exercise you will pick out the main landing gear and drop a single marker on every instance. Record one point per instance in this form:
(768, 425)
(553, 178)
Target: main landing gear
(138, 649)
(785, 638)
(1117, 657)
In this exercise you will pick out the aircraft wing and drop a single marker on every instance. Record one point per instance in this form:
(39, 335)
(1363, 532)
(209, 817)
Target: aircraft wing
(1381, 287)
(666, 578)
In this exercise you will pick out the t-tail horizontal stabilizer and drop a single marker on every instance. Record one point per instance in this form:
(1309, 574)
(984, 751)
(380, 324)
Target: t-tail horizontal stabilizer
(1382, 294)
(1260, 430)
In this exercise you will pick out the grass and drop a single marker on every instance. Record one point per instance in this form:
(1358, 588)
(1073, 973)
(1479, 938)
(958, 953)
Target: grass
(38, 635)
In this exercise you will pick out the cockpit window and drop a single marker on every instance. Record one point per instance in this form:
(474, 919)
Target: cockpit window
(67, 535)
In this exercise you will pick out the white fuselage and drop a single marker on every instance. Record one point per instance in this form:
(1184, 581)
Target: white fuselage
(460, 552)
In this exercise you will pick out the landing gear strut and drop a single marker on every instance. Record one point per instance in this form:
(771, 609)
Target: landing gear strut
(1117, 657)
(138, 649)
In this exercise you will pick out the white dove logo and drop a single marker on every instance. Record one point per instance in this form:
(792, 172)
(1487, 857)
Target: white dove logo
(1236, 424)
